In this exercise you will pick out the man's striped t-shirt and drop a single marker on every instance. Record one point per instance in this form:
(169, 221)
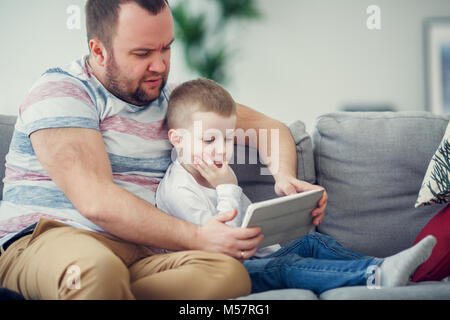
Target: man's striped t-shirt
(135, 139)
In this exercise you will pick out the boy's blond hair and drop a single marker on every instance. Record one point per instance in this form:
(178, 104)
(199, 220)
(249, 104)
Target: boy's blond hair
(198, 95)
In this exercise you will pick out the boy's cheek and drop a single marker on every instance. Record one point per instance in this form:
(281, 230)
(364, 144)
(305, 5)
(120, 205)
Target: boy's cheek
(229, 152)
(208, 152)
(201, 156)
(197, 158)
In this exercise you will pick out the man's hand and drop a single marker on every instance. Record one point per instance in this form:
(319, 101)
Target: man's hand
(286, 185)
(213, 174)
(240, 243)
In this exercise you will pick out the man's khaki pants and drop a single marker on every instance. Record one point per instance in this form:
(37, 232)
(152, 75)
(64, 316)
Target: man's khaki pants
(61, 262)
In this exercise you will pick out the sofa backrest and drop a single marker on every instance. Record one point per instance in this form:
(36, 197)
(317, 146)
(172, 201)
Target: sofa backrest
(6, 131)
(373, 165)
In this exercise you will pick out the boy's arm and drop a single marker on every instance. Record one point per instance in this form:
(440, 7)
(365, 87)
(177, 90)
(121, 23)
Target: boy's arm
(229, 197)
(229, 194)
(186, 204)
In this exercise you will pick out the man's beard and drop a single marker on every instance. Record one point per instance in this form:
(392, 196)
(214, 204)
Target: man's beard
(117, 85)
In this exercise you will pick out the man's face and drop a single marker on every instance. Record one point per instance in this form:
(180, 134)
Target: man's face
(138, 65)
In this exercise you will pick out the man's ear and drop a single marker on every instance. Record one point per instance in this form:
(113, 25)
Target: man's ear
(98, 52)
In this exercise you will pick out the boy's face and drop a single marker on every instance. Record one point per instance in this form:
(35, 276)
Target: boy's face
(210, 135)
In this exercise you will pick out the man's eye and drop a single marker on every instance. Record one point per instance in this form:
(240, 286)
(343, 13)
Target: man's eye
(141, 54)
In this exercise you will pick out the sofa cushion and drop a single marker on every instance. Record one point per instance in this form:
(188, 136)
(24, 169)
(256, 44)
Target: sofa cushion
(423, 291)
(282, 294)
(260, 187)
(437, 267)
(372, 166)
(6, 132)
(436, 183)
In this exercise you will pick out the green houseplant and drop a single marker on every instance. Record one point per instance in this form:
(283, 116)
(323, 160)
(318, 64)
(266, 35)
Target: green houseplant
(206, 51)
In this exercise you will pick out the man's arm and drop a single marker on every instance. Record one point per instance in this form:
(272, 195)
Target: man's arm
(283, 165)
(77, 162)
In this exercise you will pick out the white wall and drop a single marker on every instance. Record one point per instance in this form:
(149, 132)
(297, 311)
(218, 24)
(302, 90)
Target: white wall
(303, 59)
(312, 56)
(33, 37)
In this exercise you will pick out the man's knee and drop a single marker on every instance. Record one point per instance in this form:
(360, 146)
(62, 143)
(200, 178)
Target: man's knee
(236, 279)
(99, 277)
(229, 277)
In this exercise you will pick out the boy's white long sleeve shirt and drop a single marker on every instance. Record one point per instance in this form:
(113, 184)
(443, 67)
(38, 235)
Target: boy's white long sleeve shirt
(180, 195)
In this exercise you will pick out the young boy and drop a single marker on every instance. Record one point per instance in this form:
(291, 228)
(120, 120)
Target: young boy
(200, 184)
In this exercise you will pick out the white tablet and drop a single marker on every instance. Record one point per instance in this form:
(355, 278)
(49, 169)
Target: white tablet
(283, 219)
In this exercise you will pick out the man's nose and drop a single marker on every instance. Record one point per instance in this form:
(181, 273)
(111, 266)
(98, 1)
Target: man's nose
(157, 65)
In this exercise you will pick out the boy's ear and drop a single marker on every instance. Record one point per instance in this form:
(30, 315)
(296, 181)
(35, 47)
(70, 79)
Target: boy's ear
(174, 138)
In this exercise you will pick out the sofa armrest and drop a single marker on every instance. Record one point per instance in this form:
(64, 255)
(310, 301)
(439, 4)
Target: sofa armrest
(6, 132)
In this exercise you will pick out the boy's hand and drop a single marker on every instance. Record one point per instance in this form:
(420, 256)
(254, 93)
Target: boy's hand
(213, 174)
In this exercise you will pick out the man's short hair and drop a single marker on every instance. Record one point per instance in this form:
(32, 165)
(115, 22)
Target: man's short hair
(102, 17)
(198, 95)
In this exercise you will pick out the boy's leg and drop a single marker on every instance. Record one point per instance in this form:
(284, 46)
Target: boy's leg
(189, 275)
(319, 246)
(290, 270)
(318, 275)
(61, 262)
(315, 262)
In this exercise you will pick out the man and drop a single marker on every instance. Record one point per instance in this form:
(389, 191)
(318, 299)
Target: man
(89, 149)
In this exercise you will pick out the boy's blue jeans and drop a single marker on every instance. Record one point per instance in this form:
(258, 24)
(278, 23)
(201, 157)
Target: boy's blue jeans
(315, 262)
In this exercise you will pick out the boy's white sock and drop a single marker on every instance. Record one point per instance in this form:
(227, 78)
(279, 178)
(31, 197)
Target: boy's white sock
(396, 270)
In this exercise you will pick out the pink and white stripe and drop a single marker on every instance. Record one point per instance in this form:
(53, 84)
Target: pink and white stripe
(146, 182)
(14, 174)
(55, 89)
(19, 223)
(156, 130)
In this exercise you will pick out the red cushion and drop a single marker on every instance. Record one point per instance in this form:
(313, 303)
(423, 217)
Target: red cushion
(437, 267)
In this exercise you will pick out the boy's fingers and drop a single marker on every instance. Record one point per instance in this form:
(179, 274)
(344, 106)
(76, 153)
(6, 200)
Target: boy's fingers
(201, 170)
(225, 166)
(207, 159)
(204, 166)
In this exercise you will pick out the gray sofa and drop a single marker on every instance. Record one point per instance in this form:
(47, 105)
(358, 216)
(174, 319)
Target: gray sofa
(372, 166)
